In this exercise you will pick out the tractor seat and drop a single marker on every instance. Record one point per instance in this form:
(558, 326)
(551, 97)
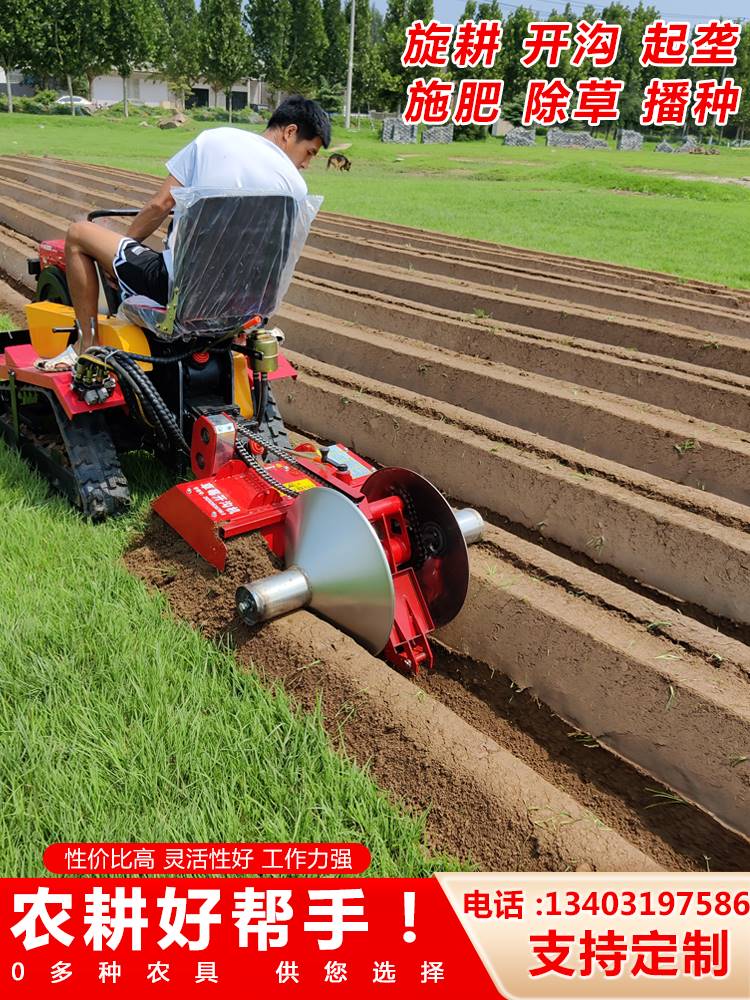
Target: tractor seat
(233, 258)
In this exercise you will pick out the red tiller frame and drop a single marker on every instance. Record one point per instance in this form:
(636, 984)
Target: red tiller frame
(209, 511)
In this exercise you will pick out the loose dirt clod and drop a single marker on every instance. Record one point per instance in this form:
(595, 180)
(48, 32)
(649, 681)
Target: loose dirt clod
(165, 562)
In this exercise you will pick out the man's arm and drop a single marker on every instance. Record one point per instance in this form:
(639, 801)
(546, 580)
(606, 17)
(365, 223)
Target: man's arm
(155, 211)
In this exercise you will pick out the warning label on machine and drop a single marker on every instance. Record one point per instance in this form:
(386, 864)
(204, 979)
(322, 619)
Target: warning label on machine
(300, 485)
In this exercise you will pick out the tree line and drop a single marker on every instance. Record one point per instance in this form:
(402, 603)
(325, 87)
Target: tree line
(301, 45)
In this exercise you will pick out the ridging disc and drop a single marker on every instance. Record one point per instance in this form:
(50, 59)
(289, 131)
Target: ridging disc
(335, 546)
(444, 575)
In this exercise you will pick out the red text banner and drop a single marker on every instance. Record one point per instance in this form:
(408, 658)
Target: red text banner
(550, 100)
(207, 859)
(98, 937)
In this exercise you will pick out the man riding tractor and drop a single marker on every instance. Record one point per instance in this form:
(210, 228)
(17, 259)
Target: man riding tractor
(222, 158)
(187, 343)
(183, 371)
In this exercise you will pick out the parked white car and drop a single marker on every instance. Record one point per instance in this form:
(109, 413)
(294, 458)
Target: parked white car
(80, 102)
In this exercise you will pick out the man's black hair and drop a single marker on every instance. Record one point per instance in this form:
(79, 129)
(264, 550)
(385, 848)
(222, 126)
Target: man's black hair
(311, 120)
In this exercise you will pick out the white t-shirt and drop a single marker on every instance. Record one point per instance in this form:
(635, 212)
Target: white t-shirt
(232, 158)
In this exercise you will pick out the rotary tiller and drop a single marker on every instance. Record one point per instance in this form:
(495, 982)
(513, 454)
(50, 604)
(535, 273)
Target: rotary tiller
(378, 552)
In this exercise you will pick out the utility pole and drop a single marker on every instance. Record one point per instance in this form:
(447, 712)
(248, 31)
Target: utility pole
(348, 95)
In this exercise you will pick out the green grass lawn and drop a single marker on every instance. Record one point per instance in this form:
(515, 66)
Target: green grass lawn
(620, 207)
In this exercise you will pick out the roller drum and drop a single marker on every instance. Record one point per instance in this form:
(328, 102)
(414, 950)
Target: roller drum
(273, 596)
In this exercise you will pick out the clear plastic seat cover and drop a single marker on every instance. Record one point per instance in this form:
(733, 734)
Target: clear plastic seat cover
(233, 255)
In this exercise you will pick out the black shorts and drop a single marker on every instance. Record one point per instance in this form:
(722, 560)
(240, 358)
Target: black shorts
(141, 271)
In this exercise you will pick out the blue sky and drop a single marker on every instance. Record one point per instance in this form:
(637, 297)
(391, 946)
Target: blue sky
(675, 10)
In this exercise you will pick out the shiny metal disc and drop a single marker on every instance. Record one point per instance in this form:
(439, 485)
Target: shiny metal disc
(335, 546)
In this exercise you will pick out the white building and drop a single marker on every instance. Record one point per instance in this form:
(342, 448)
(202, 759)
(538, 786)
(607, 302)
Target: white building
(145, 88)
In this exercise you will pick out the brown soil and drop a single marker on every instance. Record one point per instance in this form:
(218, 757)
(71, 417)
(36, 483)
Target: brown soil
(679, 837)
(94, 179)
(716, 396)
(645, 527)
(715, 319)
(713, 178)
(573, 321)
(306, 655)
(12, 304)
(636, 434)
(426, 756)
(647, 697)
(611, 275)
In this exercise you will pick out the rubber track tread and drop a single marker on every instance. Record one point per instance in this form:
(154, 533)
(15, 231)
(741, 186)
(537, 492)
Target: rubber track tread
(103, 489)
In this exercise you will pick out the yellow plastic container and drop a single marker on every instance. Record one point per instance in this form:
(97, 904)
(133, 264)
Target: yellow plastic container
(41, 318)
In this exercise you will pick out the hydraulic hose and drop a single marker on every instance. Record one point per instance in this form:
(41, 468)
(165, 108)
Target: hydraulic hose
(260, 397)
(164, 415)
(158, 416)
(144, 404)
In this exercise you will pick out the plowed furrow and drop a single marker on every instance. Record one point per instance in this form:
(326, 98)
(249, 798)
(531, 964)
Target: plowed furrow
(714, 319)
(648, 529)
(530, 625)
(82, 188)
(98, 178)
(611, 275)
(655, 705)
(573, 322)
(15, 251)
(716, 396)
(654, 439)
(525, 810)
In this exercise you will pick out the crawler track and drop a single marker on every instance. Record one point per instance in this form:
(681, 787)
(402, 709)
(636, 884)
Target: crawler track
(600, 417)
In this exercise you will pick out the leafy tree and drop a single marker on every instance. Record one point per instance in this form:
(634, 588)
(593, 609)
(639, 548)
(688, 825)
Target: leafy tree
(331, 96)
(334, 62)
(135, 30)
(377, 22)
(179, 56)
(627, 66)
(367, 75)
(270, 25)
(398, 16)
(308, 45)
(72, 40)
(572, 74)
(508, 66)
(18, 29)
(394, 39)
(741, 75)
(476, 11)
(513, 109)
(226, 45)
(90, 74)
